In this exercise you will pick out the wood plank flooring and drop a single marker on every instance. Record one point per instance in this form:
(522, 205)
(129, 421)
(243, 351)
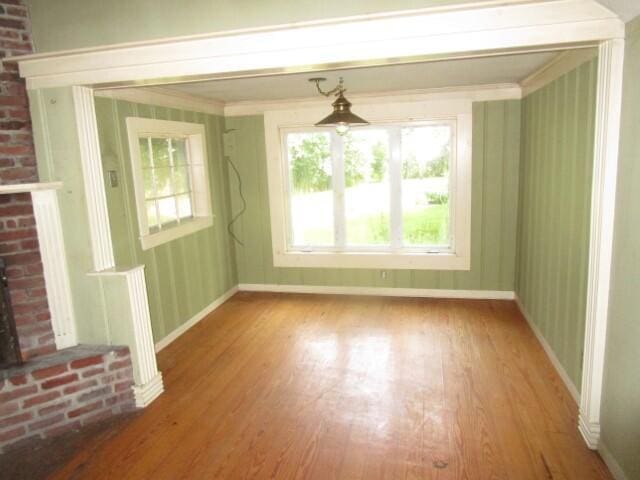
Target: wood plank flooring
(279, 386)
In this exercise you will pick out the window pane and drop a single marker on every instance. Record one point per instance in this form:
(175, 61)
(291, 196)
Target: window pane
(181, 180)
(426, 152)
(149, 189)
(152, 216)
(311, 199)
(144, 152)
(179, 151)
(184, 206)
(367, 189)
(167, 207)
(164, 181)
(160, 147)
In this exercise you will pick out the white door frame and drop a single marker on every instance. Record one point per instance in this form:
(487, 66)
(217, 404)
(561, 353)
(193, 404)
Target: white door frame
(603, 204)
(491, 27)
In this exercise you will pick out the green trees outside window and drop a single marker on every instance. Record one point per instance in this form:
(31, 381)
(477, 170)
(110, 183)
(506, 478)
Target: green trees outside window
(422, 184)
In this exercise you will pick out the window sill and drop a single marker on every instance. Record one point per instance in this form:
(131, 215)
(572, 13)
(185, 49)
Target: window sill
(187, 228)
(401, 261)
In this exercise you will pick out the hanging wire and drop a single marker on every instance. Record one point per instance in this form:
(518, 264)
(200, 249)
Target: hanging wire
(244, 202)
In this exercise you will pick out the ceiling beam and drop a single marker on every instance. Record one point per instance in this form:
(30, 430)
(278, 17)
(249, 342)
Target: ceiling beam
(387, 38)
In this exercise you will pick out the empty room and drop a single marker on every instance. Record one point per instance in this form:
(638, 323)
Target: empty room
(320, 240)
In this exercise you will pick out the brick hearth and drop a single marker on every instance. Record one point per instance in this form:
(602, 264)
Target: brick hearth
(56, 393)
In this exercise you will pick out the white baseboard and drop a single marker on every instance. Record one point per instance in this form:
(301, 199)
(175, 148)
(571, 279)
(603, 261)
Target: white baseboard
(195, 319)
(614, 466)
(590, 432)
(549, 351)
(147, 393)
(380, 291)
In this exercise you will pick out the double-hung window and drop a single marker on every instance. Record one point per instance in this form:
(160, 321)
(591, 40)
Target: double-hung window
(394, 194)
(171, 183)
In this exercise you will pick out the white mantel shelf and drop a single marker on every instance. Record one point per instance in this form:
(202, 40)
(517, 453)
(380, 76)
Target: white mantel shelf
(29, 187)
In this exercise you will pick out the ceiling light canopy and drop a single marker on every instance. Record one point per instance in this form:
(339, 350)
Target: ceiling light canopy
(341, 118)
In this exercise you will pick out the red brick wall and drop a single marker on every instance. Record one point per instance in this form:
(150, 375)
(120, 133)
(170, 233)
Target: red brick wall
(53, 398)
(18, 240)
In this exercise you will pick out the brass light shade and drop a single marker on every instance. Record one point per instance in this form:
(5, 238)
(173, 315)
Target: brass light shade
(341, 118)
(341, 115)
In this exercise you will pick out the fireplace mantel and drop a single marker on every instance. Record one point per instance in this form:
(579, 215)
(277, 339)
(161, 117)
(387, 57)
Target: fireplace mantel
(28, 187)
(54, 262)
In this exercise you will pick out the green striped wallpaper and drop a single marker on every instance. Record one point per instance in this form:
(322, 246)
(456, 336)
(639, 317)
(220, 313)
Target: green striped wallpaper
(496, 144)
(184, 275)
(553, 221)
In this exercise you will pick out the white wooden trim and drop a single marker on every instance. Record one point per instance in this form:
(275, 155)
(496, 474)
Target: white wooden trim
(611, 462)
(96, 198)
(420, 34)
(148, 392)
(165, 97)
(148, 379)
(474, 93)
(563, 63)
(549, 351)
(338, 184)
(185, 228)
(395, 181)
(28, 187)
(603, 199)
(379, 291)
(54, 263)
(199, 173)
(460, 111)
(175, 334)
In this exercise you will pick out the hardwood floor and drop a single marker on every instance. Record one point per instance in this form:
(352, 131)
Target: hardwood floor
(333, 387)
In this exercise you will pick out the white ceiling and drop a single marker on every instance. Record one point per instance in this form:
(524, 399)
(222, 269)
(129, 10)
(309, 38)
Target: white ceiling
(450, 73)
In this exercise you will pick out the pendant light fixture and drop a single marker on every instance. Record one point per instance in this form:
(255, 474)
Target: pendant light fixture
(341, 118)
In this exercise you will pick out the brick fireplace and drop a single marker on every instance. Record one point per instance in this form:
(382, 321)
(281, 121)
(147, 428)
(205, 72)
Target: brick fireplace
(54, 390)
(18, 237)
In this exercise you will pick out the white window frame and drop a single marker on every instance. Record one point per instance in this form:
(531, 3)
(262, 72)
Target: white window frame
(199, 177)
(457, 257)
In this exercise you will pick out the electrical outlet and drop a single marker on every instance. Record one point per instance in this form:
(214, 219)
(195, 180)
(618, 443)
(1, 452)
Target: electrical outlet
(383, 274)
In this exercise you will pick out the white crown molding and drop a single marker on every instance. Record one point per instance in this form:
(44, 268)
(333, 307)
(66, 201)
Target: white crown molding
(418, 35)
(165, 97)
(475, 93)
(603, 199)
(549, 351)
(379, 291)
(268, 28)
(98, 216)
(560, 65)
(195, 319)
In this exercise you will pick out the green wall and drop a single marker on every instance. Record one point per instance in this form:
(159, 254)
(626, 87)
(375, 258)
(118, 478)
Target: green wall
(555, 201)
(184, 275)
(58, 154)
(496, 134)
(69, 24)
(620, 420)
